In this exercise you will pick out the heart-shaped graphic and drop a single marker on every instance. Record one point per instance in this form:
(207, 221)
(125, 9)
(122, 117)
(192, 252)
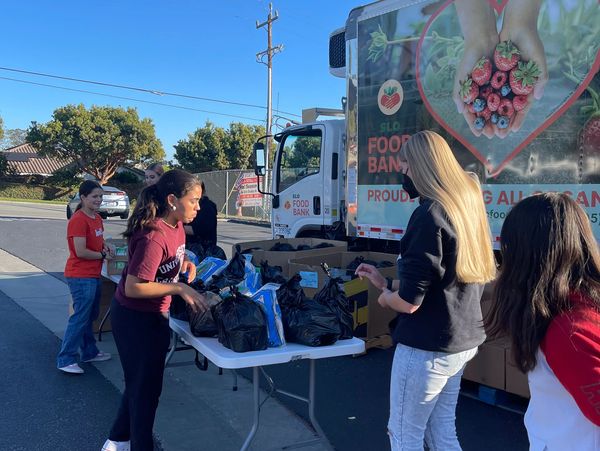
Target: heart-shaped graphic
(439, 51)
(498, 5)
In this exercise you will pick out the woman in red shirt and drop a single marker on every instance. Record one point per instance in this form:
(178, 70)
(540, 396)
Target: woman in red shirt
(548, 303)
(140, 309)
(85, 236)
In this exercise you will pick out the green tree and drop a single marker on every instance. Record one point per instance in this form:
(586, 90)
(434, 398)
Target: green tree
(13, 137)
(204, 150)
(306, 152)
(4, 169)
(98, 140)
(242, 137)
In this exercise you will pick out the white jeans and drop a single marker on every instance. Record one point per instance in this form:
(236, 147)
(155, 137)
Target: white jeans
(423, 395)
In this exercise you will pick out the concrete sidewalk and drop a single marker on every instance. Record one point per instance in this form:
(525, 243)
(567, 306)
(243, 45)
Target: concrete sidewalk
(197, 410)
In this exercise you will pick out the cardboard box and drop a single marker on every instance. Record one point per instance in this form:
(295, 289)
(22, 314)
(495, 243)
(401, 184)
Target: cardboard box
(370, 319)
(115, 265)
(108, 292)
(261, 250)
(488, 367)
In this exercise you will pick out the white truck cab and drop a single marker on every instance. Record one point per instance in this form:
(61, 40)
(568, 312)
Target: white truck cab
(307, 187)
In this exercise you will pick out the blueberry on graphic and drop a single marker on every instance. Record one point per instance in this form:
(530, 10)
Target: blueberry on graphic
(479, 105)
(503, 122)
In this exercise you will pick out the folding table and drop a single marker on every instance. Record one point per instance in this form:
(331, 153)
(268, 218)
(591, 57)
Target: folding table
(226, 358)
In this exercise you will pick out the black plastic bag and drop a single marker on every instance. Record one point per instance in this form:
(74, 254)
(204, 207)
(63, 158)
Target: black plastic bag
(241, 323)
(202, 323)
(283, 247)
(178, 308)
(333, 297)
(203, 250)
(305, 321)
(233, 274)
(272, 274)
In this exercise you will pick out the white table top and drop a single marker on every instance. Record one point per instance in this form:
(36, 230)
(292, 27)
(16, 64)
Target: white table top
(228, 359)
(115, 278)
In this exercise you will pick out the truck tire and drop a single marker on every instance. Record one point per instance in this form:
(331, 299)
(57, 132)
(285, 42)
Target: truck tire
(124, 215)
(69, 212)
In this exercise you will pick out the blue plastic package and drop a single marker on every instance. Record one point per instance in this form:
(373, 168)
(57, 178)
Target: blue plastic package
(267, 297)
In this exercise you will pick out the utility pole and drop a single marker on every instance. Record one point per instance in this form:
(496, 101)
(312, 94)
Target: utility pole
(260, 58)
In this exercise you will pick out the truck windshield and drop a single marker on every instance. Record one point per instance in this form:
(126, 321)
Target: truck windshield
(300, 157)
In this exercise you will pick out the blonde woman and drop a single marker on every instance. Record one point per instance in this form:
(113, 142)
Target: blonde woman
(445, 259)
(153, 173)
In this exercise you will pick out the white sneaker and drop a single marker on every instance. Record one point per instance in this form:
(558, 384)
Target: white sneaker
(109, 445)
(100, 357)
(73, 368)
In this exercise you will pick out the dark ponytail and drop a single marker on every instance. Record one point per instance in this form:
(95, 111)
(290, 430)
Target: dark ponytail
(86, 188)
(152, 201)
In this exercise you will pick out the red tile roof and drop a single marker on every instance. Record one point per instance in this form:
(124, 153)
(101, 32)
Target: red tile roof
(24, 160)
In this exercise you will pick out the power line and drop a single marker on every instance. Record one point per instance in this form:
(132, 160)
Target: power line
(134, 88)
(132, 99)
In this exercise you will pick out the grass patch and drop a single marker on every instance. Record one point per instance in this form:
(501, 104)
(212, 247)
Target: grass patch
(33, 201)
(24, 192)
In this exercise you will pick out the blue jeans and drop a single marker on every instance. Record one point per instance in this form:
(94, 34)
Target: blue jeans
(85, 293)
(423, 395)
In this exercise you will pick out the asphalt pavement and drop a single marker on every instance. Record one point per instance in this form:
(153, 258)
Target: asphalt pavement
(44, 409)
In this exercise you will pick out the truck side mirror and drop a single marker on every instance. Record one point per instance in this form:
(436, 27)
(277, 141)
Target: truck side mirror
(259, 159)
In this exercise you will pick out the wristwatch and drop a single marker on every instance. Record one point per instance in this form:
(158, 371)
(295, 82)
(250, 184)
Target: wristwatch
(390, 283)
(103, 254)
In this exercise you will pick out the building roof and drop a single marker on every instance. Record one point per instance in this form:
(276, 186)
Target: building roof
(24, 160)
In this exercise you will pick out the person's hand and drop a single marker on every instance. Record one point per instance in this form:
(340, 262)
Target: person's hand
(109, 249)
(189, 269)
(478, 25)
(371, 273)
(528, 41)
(196, 300)
(473, 52)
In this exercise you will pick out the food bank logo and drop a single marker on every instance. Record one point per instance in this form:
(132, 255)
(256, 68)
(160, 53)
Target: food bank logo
(390, 97)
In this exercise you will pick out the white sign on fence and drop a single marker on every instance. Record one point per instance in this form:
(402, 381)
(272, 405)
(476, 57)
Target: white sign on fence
(247, 187)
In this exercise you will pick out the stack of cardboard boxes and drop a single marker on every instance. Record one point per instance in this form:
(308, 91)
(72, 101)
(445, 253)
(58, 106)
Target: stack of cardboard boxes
(493, 365)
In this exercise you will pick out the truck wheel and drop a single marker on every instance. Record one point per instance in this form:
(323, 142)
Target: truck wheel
(124, 215)
(69, 212)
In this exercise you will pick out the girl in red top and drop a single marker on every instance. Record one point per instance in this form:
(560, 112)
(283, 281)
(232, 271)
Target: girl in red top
(548, 302)
(85, 236)
(140, 309)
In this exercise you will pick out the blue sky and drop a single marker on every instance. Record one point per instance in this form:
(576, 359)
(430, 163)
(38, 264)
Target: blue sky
(202, 48)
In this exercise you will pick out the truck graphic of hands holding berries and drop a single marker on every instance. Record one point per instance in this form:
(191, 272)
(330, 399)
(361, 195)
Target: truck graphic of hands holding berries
(500, 75)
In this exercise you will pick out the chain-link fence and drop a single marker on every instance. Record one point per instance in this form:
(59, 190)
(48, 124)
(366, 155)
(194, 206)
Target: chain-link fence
(236, 195)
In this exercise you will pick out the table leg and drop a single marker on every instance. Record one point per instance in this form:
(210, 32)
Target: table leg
(173, 347)
(102, 324)
(256, 389)
(311, 407)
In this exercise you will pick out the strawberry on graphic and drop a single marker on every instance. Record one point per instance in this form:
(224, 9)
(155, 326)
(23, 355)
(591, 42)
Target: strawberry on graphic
(506, 56)
(523, 77)
(520, 102)
(493, 101)
(485, 91)
(498, 79)
(468, 90)
(506, 108)
(482, 71)
(589, 136)
(485, 113)
(390, 98)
